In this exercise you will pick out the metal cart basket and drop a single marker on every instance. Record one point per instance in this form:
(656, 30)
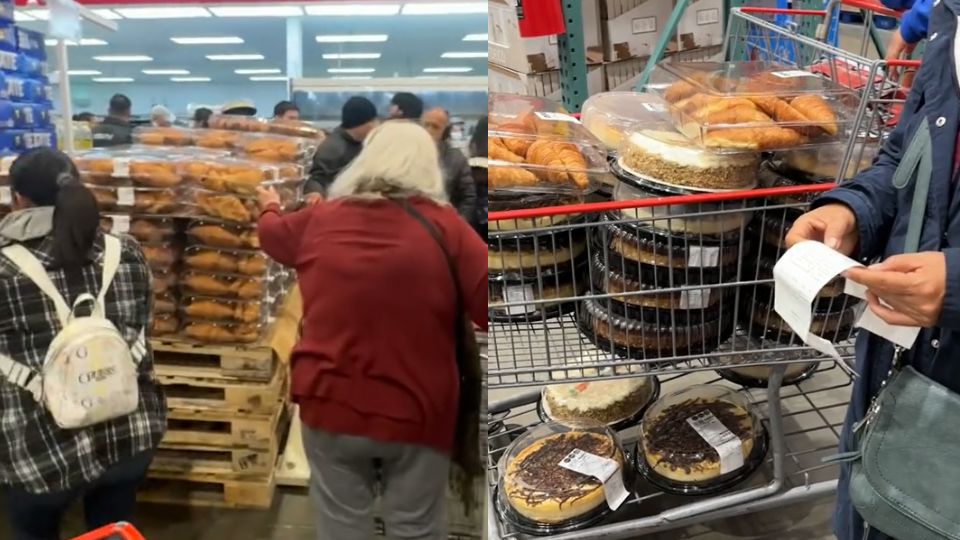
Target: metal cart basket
(613, 294)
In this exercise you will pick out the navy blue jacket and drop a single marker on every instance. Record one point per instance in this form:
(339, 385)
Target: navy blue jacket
(882, 215)
(913, 23)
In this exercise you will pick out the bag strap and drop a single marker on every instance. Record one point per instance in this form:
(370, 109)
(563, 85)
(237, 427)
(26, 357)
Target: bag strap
(435, 234)
(31, 267)
(111, 264)
(918, 207)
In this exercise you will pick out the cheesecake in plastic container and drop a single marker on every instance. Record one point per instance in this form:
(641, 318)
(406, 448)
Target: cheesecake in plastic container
(802, 366)
(754, 105)
(700, 440)
(612, 116)
(659, 154)
(534, 147)
(539, 496)
(618, 403)
(548, 294)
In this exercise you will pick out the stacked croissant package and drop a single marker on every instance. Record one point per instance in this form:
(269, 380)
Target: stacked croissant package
(189, 197)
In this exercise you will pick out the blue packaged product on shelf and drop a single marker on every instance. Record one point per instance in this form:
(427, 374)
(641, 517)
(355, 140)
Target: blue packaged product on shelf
(8, 36)
(8, 61)
(11, 140)
(24, 90)
(29, 66)
(31, 43)
(28, 115)
(39, 138)
(6, 10)
(8, 115)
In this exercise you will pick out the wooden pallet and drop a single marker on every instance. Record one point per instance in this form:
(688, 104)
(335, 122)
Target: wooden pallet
(252, 362)
(207, 490)
(186, 392)
(223, 460)
(223, 428)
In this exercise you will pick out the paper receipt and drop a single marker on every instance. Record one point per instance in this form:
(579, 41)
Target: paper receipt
(607, 471)
(800, 275)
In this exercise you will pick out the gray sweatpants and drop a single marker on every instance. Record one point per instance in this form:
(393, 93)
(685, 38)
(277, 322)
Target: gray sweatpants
(342, 486)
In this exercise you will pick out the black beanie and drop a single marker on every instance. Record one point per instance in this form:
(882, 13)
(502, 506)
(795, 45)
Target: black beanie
(410, 105)
(357, 111)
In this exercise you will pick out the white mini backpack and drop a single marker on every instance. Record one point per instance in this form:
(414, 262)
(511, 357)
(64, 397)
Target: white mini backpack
(89, 374)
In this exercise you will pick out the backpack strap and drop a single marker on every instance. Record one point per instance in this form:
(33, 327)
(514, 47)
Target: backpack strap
(22, 376)
(31, 267)
(111, 263)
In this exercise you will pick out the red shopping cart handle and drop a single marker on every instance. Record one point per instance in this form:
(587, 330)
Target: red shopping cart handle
(872, 6)
(782, 11)
(117, 531)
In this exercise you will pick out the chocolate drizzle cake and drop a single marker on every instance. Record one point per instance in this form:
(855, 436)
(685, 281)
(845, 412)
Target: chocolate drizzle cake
(540, 490)
(758, 376)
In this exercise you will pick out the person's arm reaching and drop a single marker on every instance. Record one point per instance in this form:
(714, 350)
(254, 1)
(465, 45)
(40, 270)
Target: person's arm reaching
(914, 21)
(280, 234)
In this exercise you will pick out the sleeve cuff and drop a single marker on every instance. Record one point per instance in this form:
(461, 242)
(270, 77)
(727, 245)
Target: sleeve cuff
(950, 314)
(272, 207)
(862, 209)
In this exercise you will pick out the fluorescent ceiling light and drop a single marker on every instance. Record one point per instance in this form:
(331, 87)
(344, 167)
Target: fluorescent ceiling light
(124, 58)
(163, 12)
(353, 78)
(475, 37)
(82, 72)
(225, 40)
(480, 54)
(356, 38)
(190, 79)
(166, 72)
(231, 57)
(256, 71)
(108, 14)
(346, 10)
(448, 70)
(444, 8)
(351, 70)
(351, 56)
(268, 78)
(112, 79)
(257, 11)
(83, 42)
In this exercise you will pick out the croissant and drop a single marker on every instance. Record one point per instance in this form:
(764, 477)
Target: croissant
(154, 202)
(250, 239)
(567, 162)
(163, 282)
(273, 149)
(146, 230)
(779, 110)
(253, 265)
(213, 235)
(678, 91)
(152, 138)
(217, 139)
(702, 105)
(159, 256)
(212, 261)
(736, 115)
(209, 309)
(760, 138)
(818, 111)
(247, 289)
(154, 175)
(225, 207)
(503, 177)
(516, 146)
(164, 325)
(498, 150)
(209, 333)
(163, 304)
(207, 285)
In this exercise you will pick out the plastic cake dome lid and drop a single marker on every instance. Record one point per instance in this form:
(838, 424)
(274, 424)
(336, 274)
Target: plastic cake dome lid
(588, 436)
(623, 110)
(666, 133)
(756, 78)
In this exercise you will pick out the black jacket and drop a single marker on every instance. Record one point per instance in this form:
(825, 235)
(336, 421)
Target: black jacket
(333, 155)
(458, 181)
(112, 132)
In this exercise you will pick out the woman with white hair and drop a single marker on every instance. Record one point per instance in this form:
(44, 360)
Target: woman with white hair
(375, 371)
(161, 116)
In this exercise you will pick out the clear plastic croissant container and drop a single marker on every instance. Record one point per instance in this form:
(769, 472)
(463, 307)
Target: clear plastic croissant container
(216, 138)
(124, 167)
(148, 229)
(537, 495)
(162, 255)
(238, 123)
(203, 308)
(275, 148)
(294, 128)
(760, 106)
(217, 234)
(164, 325)
(164, 304)
(235, 207)
(229, 261)
(535, 147)
(612, 116)
(700, 440)
(221, 332)
(143, 201)
(207, 283)
(238, 175)
(164, 280)
(823, 163)
(164, 136)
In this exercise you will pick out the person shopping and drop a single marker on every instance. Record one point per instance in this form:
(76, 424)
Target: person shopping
(375, 372)
(358, 117)
(867, 218)
(43, 468)
(913, 28)
(456, 169)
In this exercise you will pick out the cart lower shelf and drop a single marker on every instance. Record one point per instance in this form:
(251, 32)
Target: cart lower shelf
(812, 415)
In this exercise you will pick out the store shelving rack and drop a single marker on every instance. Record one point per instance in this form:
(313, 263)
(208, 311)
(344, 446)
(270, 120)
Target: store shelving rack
(530, 354)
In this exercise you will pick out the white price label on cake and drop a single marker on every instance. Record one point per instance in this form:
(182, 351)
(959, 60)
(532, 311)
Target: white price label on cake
(607, 471)
(121, 167)
(695, 299)
(703, 257)
(655, 107)
(792, 73)
(125, 196)
(519, 293)
(6, 196)
(121, 224)
(722, 440)
(557, 117)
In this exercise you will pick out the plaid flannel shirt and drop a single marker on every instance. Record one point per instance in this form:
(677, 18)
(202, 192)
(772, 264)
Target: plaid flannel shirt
(35, 454)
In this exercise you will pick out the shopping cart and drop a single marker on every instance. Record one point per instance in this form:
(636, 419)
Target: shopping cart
(117, 531)
(590, 310)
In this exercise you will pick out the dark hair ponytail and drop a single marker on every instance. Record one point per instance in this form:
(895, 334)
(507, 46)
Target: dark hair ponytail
(47, 177)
